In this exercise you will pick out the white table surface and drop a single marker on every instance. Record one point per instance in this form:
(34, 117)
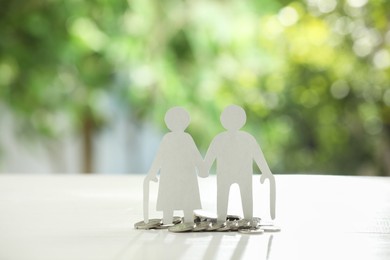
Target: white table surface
(91, 217)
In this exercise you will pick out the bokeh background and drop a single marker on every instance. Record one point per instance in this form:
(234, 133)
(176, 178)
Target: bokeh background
(84, 85)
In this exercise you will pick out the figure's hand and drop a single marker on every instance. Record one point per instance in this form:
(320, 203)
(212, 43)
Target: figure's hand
(265, 176)
(152, 178)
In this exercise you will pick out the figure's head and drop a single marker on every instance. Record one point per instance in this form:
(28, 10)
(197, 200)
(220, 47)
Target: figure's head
(233, 117)
(177, 119)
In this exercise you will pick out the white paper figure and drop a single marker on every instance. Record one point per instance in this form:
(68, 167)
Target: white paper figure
(178, 160)
(234, 152)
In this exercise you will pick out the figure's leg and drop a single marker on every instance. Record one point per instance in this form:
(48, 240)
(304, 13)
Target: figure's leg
(247, 199)
(188, 216)
(167, 216)
(222, 201)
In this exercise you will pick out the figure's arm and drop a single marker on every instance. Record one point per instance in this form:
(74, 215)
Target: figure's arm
(210, 157)
(152, 173)
(259, 158)
(156, 165)
(197, 158)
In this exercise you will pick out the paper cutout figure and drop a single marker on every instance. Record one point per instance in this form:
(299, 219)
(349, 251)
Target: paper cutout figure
(178, 160)
(234, 152)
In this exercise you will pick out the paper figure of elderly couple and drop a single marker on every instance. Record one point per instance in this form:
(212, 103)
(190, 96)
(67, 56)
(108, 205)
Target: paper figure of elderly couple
(179, 162)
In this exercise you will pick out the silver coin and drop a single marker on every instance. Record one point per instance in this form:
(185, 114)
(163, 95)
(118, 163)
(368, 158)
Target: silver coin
(177, 220)
(223, 229)
(153, 223)
(164, 226)
(229, 226)
(251, 231)
(270, 228)
(201, 226)
(233, 225)
(216, 225)
(244, 223)
(182, 227)
(255, 222)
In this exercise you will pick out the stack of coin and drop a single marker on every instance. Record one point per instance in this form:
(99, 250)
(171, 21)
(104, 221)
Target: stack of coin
(204, 223)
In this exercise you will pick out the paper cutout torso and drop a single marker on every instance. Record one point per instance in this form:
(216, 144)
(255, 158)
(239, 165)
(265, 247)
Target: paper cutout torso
(178, 156)
(234, 155)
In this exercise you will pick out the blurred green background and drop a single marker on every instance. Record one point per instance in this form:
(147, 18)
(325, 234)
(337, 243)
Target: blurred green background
(313, 75)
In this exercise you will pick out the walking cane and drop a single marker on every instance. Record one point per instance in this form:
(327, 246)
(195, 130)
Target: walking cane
(272, 193)
(272, 196)
(146, 200)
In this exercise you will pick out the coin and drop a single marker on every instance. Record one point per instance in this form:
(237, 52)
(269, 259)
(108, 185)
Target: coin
(153, 223)
(201, 226)
(255, 222)
(270, 228)
(223, 229)
(251, 231)
(182, 227)
(229, 226)
(233, 225)
(177, 220)
(216, 225)
(165, 226)
(244, 223)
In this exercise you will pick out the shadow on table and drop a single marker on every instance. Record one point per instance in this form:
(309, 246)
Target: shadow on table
(215, 246)
(164, 245)
(154, 244)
